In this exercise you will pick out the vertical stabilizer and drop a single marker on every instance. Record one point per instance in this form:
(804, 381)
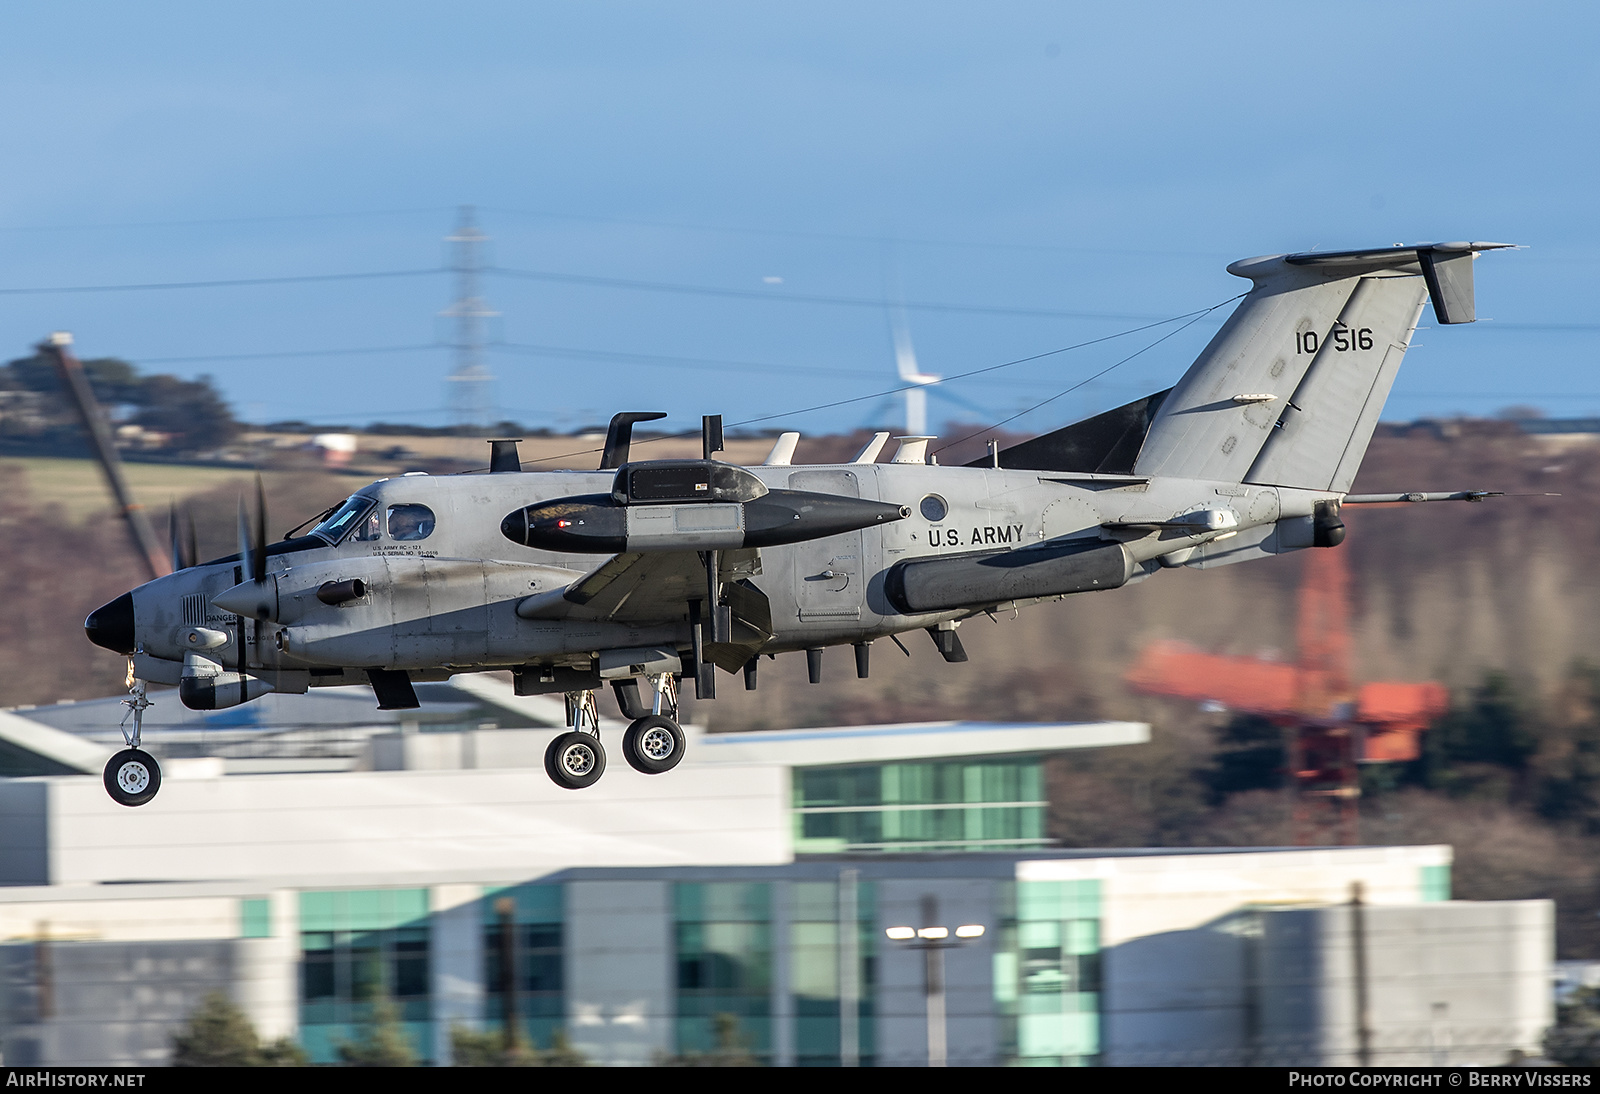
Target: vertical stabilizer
(1290, 389)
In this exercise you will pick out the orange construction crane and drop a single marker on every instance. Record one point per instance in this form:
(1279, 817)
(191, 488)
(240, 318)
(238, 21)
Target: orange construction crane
(1330, 724)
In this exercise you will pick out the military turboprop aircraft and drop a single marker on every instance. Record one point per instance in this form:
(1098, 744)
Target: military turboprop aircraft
(654, 570)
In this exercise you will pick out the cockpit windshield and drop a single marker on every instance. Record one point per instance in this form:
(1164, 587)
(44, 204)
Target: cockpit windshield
(343, 519)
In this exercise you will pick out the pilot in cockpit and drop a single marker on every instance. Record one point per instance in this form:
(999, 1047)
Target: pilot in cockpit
(410, 522)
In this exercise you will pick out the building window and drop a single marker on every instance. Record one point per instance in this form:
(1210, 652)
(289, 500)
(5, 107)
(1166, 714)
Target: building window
(255, 919)
(1435, 883)
(817, 968)
(536, 960)
(723, 947)
(359, 947)
(934, 805)
(1047, 973)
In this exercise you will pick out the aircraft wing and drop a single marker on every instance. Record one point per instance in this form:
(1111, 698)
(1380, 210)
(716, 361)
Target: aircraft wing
(639, 587)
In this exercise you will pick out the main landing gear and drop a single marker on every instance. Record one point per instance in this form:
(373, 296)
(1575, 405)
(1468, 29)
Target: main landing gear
(132, 776)
(652, 744)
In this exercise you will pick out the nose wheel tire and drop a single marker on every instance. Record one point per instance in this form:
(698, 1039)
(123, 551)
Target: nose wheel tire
(653, 745)
(132, 777)
(575, 760)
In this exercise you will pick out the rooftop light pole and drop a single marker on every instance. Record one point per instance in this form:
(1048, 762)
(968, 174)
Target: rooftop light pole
(933, 941)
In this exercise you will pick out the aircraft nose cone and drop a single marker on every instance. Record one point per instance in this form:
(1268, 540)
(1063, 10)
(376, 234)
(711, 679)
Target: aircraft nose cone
(111, 625)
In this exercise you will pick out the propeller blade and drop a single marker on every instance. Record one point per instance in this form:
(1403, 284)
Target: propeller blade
(258, 557)
(191, 542)
(173, 538)
(247, 565)
(244, 693)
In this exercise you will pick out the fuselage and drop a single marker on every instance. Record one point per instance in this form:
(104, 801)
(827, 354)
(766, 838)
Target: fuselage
(442, 582)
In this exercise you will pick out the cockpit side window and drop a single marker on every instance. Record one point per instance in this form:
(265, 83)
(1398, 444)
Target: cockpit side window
(369, 527)
(410, 522)
(345, 518)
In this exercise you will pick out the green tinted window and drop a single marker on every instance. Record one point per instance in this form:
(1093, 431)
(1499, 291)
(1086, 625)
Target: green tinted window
(722, 938)
(537, 959)
(943, 805)
(1435, 883)
(1047, 973)
(359, 946)
(815, 967)
(255, 919)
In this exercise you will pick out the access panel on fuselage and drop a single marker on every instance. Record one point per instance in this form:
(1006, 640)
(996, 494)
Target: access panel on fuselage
(829, 578)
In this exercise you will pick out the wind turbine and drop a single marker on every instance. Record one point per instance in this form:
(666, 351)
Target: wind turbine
(905, 361)
(914, 381)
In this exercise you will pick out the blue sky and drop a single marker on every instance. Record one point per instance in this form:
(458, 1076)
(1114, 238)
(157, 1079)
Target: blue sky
(1093, 166)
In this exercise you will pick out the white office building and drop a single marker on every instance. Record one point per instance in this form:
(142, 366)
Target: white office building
(305, 862)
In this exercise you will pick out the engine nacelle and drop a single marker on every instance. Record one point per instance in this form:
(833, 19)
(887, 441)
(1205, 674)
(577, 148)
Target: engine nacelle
(206, 685)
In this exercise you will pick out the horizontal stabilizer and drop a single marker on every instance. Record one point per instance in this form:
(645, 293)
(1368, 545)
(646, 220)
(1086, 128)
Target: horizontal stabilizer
(1446, 267)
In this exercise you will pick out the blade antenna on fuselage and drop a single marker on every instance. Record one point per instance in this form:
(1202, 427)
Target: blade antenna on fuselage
(619, 436)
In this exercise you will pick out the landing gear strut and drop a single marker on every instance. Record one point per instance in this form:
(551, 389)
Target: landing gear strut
(652, 745)
(576, 759)
(132, 776)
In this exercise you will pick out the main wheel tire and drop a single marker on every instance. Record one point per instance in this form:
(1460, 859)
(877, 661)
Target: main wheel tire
(653, 745)
(132, 777)
(575, 760)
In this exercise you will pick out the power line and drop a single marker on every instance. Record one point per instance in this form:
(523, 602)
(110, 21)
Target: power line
(654, 286)
(206, 221)
(846, 237)
(1192, 316)
(221, 282)
(1577, 328)
(703, 363)
(574, 279)
(797, 298)
(1089, 379)
(565, 352)
(281, 354)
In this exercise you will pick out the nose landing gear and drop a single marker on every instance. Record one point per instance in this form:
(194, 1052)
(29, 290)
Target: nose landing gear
(132, 776)
(652, 745)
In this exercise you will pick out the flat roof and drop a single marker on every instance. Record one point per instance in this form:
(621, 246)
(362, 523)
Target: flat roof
(910, 741)
(971, 864)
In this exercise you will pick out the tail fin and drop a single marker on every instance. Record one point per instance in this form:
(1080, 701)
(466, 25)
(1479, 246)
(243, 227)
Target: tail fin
(1289, 391)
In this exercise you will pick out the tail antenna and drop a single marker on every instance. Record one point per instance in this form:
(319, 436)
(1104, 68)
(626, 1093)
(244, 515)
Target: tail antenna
(711, 434)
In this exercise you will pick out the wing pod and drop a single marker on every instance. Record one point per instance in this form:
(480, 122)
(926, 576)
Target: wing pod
(689, 505)
(971, 581)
